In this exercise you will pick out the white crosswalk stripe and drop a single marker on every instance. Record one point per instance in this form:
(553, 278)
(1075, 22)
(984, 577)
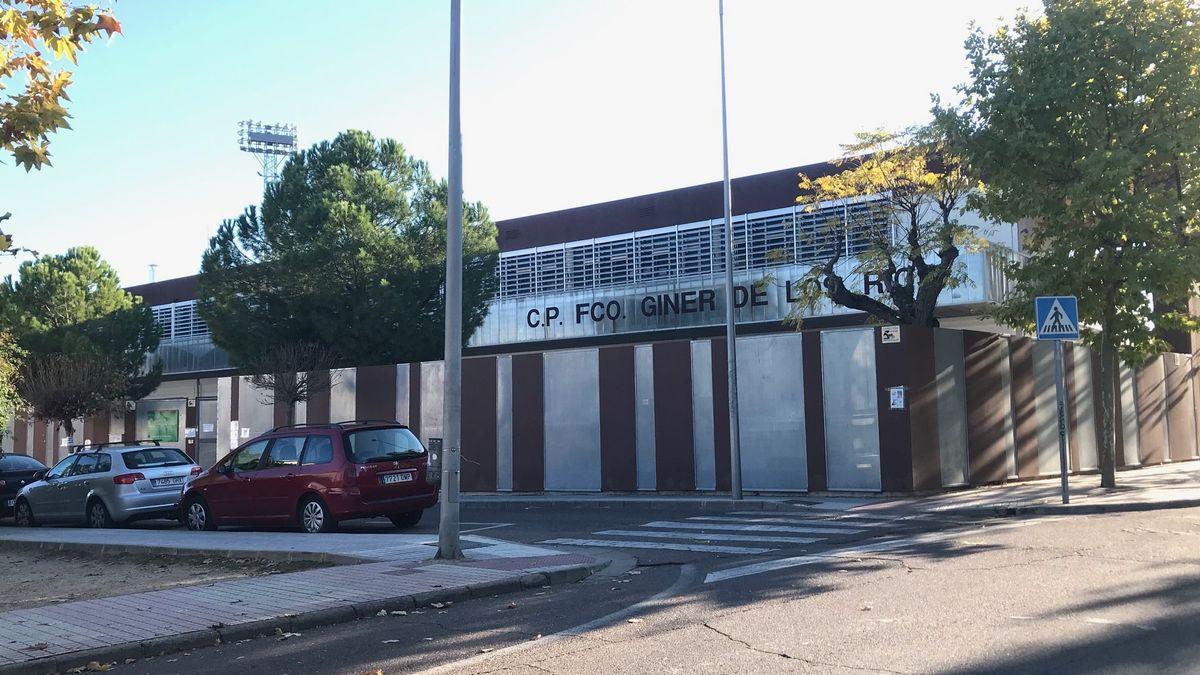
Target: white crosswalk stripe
(753, 528)
(708, 536)
(815, 522)
(828, 516)
(664, 545)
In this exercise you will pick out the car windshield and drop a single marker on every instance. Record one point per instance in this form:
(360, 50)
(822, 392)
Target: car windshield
(151, 458)
(382, 445)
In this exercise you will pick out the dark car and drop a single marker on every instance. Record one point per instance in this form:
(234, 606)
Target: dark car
(314, 475)
(16, 471)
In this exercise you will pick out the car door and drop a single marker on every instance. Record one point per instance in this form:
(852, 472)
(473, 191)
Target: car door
(231, 494)
(46, 496)
(77, 483)
(275, 482)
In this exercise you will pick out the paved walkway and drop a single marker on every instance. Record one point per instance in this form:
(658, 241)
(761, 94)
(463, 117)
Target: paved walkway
(56, 637)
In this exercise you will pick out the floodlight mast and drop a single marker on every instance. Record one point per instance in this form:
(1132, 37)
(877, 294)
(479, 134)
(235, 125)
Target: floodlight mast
(271, 145)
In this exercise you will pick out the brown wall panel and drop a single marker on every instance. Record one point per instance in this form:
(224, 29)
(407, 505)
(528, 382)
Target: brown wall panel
(720, 402)
(100, 426)
(414, 397)
(21, 435)
(618, 417)
(895, 439)
(814, 411)
(674, 461)
(316, 411)
(478, 423)
(375, 393)
(39, 443)
(191, 420)
(1024, 407)
(528, 423)
(987, 411)
(1151, 414)
(921, 398)
(279, 413)
(1180, 409)
(130, 425)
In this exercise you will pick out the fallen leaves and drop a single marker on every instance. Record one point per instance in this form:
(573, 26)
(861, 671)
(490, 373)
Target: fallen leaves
(93, 667)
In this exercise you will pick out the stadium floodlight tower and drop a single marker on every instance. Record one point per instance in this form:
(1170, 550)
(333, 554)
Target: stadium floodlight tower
(271, 144)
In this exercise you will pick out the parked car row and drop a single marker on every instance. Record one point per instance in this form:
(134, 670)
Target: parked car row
(306, 475)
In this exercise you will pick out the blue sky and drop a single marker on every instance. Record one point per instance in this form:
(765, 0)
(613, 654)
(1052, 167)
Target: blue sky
(565, 102)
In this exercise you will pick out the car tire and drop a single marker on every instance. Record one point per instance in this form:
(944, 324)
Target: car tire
(197, 516)
(406, 519)
(98, 516)
(24, 514)
(315, 517)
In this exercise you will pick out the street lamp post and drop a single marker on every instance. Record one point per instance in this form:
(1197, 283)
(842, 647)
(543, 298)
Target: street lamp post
(449, 546)
(735, 436)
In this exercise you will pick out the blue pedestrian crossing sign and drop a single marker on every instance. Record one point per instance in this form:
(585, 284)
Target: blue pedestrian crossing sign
(1057, 317)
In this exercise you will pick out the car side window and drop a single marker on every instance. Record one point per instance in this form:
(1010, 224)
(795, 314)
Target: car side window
(61, 468)
(317, 450)
(248, 458)
(85, 465)
(285, 451)
(103, 464)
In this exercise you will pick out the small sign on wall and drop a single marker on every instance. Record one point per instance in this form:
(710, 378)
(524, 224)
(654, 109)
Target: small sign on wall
(189, 432)
(206, 428)
(114, 438)
(889, 335)
(245, 432)
(896, 397)
(233, 435)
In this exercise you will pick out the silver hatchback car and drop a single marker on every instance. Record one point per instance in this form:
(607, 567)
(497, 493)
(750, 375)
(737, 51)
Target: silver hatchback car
(106, 485)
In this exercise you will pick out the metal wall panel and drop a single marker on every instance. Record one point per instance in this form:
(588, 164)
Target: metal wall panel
(402, 393)
(572, 420)
(342, 396)
(950, 379)
(771, 407)
(851, 409)
(1084, 410)
(702, 416)
(504, 437)
(1129, 416)
(1047, 408)
(433, 375)
(643, 386)
(254, 417)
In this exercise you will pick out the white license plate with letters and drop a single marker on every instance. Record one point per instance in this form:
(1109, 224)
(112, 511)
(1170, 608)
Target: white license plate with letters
(390, 478)
(168, 482)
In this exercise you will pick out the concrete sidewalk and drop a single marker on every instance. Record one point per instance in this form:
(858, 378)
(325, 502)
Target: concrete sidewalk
(58, 637)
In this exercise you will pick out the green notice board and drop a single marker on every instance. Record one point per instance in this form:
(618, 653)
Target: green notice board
(163, 425)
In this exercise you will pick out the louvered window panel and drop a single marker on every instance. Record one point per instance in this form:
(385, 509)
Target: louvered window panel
(186, 322)
(656, 256)
(551, 274)
(739, 245)
(866, 221)
(614, 263)
(581, 261)
(516, 275)
(162, 317)
(694, 251)
(770, 241)
(818, 234)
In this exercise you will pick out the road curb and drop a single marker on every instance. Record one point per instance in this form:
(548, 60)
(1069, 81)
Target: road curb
(693, 504)
(288, 623)
(1072, 509)
(141, 549)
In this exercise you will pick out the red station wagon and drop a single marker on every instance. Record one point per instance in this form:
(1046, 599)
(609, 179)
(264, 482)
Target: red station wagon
(315, 475)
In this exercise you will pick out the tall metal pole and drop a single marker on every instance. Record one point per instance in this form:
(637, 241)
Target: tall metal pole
(449, 547)
(1060, 390)
(735, 436)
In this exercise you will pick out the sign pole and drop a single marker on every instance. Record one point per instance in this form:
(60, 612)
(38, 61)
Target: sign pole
(449, 546)
(735, 435)
(1063, 441)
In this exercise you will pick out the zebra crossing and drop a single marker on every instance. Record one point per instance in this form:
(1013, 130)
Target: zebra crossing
(737, 533)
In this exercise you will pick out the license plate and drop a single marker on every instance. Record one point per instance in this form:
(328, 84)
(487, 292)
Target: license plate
(167, 482)
(390, 478)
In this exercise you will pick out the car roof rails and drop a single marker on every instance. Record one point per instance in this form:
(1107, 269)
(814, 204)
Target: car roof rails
(109, 444)
(302, 425)
(346, 423)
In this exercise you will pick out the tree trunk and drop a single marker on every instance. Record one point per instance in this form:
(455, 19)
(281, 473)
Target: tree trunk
(1109, 381)
(291, 413)
(69, 427)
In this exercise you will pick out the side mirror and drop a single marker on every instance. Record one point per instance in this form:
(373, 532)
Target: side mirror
(40, 475)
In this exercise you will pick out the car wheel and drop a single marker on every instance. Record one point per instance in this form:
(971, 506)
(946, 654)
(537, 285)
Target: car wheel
(315, 516)
(407, 519)
(98, 515)
(197, 516)
(24, 514)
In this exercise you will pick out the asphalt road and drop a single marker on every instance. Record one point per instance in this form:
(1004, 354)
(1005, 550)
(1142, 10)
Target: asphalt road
(1106, 593)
